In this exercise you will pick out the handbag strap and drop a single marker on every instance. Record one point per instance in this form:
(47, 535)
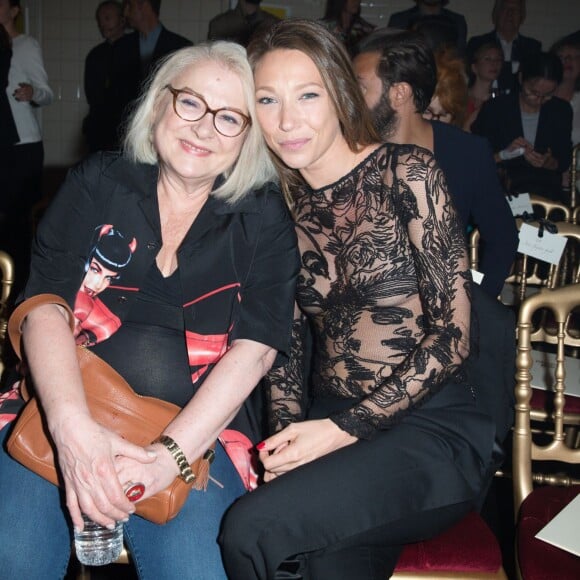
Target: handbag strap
(22, 311)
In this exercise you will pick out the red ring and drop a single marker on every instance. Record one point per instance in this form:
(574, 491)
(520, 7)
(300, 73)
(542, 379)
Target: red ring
(135, 491)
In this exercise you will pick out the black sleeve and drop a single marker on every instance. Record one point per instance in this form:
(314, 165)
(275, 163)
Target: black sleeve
(494, 219)
(268, 294)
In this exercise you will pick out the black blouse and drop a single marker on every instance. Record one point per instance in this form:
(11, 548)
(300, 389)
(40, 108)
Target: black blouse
(385, 285)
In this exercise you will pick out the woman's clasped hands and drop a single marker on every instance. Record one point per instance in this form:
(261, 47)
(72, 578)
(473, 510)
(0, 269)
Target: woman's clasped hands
(95, 467)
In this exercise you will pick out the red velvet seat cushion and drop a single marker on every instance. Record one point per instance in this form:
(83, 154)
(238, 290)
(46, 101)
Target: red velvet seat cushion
(468, 546)
(539, 560)
(543, 400)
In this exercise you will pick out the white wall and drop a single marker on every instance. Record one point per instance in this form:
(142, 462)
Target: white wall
(67, 31)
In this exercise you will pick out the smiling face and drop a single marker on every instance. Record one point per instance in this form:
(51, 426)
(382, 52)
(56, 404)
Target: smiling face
(194, 152)
(535, 92)
(297, 115)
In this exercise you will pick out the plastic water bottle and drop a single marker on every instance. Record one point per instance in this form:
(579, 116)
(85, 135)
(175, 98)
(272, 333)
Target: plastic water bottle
(97, 545)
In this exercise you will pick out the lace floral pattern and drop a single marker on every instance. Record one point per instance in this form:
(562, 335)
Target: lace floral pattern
(385, 285)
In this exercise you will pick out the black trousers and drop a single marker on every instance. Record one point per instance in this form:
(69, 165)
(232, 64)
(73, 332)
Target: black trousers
(20, 188)
(347, 515)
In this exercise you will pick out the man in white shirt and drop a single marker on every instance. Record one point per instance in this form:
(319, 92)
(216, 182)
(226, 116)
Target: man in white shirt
(21, 164)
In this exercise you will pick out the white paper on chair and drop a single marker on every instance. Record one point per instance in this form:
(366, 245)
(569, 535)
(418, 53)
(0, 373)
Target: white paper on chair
(520, 204)
(548, 248)
(562, 530)
(543, 367)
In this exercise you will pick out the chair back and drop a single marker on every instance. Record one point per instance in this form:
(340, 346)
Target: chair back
(574, 176)
(553, 446)
(549, 209)
(6, 283)
(473, 247)
(530, 275)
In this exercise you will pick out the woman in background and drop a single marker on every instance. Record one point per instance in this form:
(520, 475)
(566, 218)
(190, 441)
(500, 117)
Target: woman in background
(530, 129)
(568, 51)
(343, 19)
(449, 102)
(483, 70)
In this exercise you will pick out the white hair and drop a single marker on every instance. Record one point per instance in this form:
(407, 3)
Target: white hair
(253, 167)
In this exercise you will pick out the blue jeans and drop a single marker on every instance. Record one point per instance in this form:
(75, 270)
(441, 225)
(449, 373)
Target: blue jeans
(36, 534)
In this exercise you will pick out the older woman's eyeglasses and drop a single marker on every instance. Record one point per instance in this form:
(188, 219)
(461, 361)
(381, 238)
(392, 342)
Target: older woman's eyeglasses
(442, 115)
(190, 106)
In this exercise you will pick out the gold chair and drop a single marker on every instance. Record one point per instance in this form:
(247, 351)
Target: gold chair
(538, 497)
(7, 271)
(473, 247)
(530, 275)
(467, 551)
(576, 215)
(574, 176)
(549, 209)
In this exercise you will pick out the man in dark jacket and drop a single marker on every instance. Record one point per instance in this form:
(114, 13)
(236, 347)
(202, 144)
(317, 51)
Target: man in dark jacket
(138, 52)
(101, 124)
(507, 17)
(398, 75)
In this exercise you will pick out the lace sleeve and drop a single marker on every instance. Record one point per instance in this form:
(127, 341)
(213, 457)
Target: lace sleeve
(438, 251)
(285, 387)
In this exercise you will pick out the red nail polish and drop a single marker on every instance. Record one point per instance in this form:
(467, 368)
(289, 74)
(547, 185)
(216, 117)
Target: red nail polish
(260, 446)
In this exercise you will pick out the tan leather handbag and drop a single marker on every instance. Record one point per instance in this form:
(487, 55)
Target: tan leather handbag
(113, 404)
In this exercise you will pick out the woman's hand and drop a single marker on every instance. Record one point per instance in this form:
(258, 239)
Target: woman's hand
(300, 443)
(520, 142)
(155, 475)
(86, 455)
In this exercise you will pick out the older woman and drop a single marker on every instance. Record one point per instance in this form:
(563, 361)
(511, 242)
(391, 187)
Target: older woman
(195, 258)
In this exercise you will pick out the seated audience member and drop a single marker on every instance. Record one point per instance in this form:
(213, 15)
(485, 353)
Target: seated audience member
(568, 50)
(386, 444)
(483, 71)
(449, 101)
(178, 258)
(432, 10)
(101, 125)
(529, 130)
(240, 23)
(343, 19)
(397, 75)
(507, 17)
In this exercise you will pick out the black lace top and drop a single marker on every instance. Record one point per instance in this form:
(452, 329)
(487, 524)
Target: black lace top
(385, 285)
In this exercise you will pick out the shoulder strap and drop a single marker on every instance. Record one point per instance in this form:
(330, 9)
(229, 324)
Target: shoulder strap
(18, 316)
